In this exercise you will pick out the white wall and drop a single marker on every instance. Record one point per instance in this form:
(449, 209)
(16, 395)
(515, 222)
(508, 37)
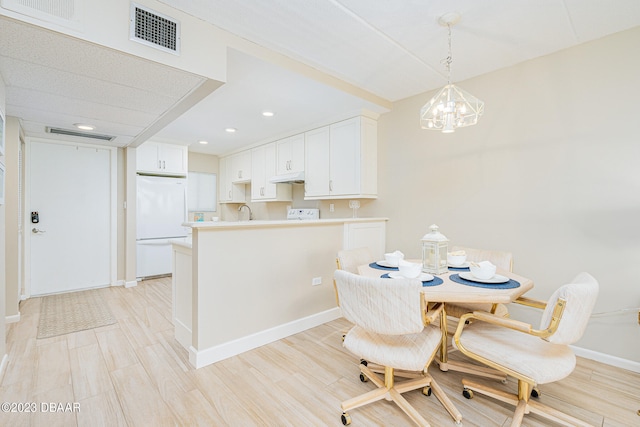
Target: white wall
(3, 338)
(549, 173)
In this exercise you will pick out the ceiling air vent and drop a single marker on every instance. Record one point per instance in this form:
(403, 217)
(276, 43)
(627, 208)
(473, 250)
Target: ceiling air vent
(69, 132)
(153, 29)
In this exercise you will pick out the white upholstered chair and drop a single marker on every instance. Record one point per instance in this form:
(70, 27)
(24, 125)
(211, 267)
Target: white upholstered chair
(501, 259)
(532, 356)
(349, 260)
(392, 329)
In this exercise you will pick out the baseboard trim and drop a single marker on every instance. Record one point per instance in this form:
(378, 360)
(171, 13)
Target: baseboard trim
(12, 319)
(130, 283)
(618, 362)
(200, 358)
(118, 283)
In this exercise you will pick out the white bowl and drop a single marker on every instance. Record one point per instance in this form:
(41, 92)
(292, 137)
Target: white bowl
(392, 258)
(410, 270)
(483, 270)
(456, 259)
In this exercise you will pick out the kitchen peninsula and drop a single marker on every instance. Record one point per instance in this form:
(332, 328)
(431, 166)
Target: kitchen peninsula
(240, 285)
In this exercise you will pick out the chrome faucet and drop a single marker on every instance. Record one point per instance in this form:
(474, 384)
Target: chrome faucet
(250, 214)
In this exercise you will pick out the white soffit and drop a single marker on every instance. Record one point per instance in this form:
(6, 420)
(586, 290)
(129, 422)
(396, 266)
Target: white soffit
(394, 48)
(56, 80)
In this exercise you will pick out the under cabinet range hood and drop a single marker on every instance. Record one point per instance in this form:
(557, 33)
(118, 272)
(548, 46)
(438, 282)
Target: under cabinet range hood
(290, 178)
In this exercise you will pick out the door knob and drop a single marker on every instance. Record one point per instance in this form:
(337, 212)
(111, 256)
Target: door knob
(36, 231)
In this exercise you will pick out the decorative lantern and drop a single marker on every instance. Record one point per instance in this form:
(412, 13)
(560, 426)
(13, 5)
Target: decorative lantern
(434, 251)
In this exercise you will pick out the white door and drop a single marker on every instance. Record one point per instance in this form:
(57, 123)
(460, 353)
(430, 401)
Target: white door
(69, 186)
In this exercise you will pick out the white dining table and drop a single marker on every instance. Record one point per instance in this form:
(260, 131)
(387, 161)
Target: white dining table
(453, 292)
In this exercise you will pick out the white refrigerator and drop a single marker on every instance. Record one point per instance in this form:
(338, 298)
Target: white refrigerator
(161, 210)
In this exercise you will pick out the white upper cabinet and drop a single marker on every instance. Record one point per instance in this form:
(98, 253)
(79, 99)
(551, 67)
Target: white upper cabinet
(263, 167)
(290, 154)
(316, 167)
(241, 167)
(229, 192)
(341, 160)
(162, 159)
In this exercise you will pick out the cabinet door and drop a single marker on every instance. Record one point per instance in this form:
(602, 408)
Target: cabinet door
(283, 149)
(241, 164)
(269, 156)
(316, 167)
(258, 173)
(290, 154)
(297, 153)
(147, 158)
(173, 158)
(345, 157)
(229, 192)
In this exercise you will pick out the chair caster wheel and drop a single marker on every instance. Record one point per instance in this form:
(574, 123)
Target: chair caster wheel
(535, 392)
(426, 391)
(467, 393)
(363, 362)
(363, 378)
(343, 335)
(346, 419)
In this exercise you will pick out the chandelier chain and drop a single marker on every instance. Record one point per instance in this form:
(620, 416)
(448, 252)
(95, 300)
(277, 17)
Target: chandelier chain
(449, 59)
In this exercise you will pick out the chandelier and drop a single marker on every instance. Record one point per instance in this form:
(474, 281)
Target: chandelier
(452, 107)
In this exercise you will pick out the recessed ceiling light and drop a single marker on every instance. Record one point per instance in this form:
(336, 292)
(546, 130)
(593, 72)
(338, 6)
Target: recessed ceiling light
(268, 113)
(84, 126)
(203, 142)
(230, 130)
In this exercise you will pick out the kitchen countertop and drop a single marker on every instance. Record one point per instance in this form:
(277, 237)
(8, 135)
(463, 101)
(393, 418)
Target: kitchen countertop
(213, 225)
(269, 223)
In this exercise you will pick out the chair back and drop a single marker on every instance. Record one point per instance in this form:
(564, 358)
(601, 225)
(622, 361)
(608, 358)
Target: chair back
(381, 306)
(350, 259)
(501, 259)
(581, 295)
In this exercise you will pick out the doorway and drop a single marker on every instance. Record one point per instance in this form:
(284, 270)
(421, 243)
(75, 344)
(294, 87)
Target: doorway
(70, 224)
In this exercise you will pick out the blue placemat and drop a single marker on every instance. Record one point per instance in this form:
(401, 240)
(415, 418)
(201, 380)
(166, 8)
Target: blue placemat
(379, 267)
(507, 285)
(435, 282)
(454, 269)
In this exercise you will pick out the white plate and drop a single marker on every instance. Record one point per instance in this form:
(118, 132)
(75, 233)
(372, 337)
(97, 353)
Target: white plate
(384, 263)
(463, 265)
(424, 277)
(495, 279)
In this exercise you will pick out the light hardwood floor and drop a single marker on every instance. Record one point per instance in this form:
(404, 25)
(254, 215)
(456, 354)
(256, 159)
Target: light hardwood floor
(133, 373)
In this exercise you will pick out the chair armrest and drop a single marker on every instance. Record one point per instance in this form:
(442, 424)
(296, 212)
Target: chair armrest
(501, 321)
(514, 324)
(531, 302)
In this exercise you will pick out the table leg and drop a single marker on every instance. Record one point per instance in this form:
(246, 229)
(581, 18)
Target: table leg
(443, 345)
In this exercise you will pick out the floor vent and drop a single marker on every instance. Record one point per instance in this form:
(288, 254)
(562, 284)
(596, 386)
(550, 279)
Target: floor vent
(153, 29)
(69, 132)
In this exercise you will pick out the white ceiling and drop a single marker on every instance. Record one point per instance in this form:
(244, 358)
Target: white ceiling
(391, 49)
